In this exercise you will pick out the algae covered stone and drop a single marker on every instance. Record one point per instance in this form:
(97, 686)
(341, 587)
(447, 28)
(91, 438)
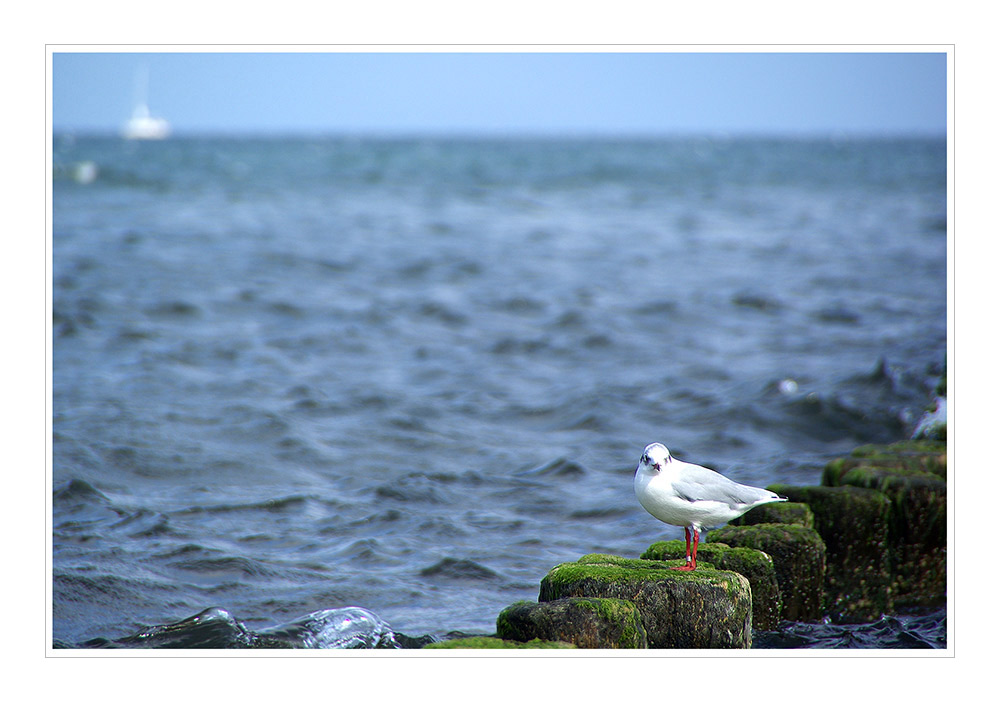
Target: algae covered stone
(756, 566)
(799, 557)
(586, 622)
(705, 608)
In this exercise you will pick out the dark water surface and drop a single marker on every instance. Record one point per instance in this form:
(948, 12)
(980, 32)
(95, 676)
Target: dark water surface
(297, 375)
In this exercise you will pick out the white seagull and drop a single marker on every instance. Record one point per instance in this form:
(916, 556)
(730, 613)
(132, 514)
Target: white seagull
(691, 496)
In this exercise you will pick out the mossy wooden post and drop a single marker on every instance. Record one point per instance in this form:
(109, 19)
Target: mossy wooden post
(853, 523)
(705, 608)
(799, 557)
(756, 566)
(778, 513)
(913, 475)
(586, 622)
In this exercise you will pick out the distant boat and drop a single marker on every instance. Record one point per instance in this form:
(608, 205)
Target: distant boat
(142, 124)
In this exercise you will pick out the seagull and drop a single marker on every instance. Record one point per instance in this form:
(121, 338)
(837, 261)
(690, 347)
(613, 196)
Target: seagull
(691, 496)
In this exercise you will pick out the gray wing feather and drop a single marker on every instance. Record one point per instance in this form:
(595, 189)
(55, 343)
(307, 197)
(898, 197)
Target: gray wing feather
(706, 484)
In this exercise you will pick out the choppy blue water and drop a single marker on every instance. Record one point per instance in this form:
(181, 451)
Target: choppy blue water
(292, 375)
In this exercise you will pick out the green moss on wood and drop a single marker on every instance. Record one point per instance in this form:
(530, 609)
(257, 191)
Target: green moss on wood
(904, 457)
(756, 566)
(587, 622)
(854, 524)
(616, 569)
(706, 608)
(913, 475)
(778, 513)
(799, 557)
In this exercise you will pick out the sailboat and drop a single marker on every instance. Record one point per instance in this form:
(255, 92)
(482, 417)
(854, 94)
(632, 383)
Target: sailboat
(142, 124)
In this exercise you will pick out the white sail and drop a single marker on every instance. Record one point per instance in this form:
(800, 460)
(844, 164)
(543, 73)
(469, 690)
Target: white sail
(142, 124)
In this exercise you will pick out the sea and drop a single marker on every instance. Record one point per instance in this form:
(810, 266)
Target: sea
(405, 377)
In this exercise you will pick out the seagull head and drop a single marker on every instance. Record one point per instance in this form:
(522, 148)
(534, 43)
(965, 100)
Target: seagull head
(654, 457)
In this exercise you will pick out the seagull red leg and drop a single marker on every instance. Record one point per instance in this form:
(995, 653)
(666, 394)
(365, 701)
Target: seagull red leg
(694, 551)
(688, 559)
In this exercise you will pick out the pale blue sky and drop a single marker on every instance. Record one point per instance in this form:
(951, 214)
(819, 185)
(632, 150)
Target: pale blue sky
(509, 93)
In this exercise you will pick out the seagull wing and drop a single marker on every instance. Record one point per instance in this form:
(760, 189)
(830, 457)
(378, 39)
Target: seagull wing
(697, 483)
